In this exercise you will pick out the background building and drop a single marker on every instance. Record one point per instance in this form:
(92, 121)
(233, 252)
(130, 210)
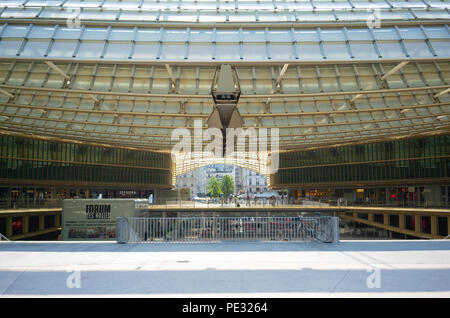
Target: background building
(194, 180)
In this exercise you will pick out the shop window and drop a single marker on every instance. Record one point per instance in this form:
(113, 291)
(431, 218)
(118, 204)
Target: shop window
(378, 218)
(393, 220)
(363, 216)
(409, 222)
(17, 226)
(3, 226)
(49, 221)
(425, 225)
(33, 224)
(442, 226)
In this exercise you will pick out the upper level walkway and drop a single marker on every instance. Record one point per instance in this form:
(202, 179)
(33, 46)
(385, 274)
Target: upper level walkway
(420, 222)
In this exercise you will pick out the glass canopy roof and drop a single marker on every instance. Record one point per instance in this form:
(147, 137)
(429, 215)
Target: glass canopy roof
(185, 44)
(130, 72)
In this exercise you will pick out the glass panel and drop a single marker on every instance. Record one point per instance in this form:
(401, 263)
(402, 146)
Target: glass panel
(35, 48)
(121, 35)
(281, 51)
(358, 34)
(67, 33)
(90, 49)
(137, 16)
(175, 36)
(241, 17)
(418, 49)
(411, 33)
(332, 35)
(13, 31)
(436, 32)
(117, 50)
(181, 17)
(20, 13)
(102, 83)
(269, 17)
(353, 15)
(335, 50)
(201, 36)
(385, 34)
(211, 17)
(363, 50)
(280, 36)
(226, 36)
(226, 51)
(306, 36)
(78, 3)
(38, 32)
(409, 4)
(253, 36)
(364, 5)
(145, 50)
(173, 51)
(391, 49)
(121, 4)
(96, 14)
(148, 35)
(431, 14)
(442, 48)
(62, 49)
(9, 47)
(94, 34)
(315, 16)
(255, 51)
(332, 5)
(200, 51)
(309, 51)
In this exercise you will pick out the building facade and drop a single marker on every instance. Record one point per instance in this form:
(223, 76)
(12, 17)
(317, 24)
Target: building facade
(194, 180)
(44, 171)
(409, 171)
(92, 92)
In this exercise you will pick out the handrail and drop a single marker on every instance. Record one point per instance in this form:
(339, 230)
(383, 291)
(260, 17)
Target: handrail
(223, 228)
(2, 237)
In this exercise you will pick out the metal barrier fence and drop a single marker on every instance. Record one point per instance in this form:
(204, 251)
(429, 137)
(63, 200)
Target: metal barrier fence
(195, 229)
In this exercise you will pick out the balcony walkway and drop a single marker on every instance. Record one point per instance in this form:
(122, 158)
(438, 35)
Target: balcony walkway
(387, 218)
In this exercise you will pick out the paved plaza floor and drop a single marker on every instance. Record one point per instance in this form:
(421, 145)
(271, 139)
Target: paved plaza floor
(392, 268)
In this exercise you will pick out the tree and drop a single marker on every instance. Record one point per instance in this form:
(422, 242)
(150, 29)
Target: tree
(227, 186)
(213, 188)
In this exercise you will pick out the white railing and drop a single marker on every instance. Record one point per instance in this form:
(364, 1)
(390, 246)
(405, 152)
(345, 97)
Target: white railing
(212, 229)
(3, 238)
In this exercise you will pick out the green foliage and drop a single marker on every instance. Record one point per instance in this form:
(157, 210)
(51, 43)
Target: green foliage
(227, 185)
(213, 188)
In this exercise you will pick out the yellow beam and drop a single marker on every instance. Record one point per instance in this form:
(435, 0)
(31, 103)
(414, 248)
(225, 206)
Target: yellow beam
(392, 228)
(32, 234)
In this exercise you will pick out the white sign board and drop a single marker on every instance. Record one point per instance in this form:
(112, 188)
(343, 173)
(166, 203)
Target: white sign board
(94, 219)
